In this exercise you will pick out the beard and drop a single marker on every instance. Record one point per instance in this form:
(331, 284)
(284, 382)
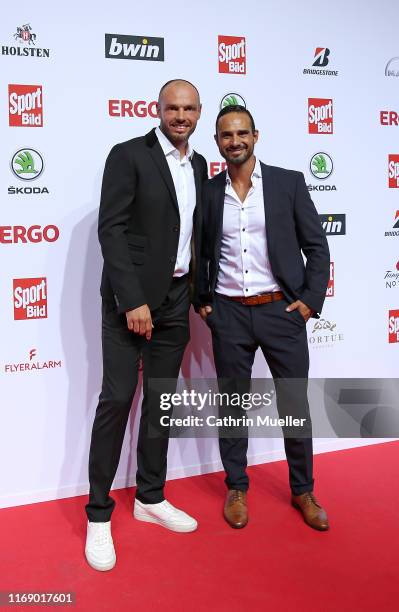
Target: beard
(237, 160)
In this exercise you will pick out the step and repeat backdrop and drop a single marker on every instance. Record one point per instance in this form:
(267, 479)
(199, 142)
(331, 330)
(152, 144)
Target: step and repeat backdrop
(76, 79)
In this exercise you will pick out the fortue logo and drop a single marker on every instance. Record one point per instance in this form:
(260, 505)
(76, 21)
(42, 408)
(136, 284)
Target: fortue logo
(333, 225)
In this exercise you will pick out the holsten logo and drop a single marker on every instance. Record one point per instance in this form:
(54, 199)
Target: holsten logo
(232, 56)
(320, 115)
(27, 165)
(395, 226)
(216, 167)
(392, 67)
(232, 99)
(324, 334)
(25, 38)
(333, 225)
(122, 46)
(330, 287)
(321, 59)
(393, 171)
(33, 365)
(321, 166)
(15, 234)
(25, 105)
(30, 298)
(393, 326)
(389, 118)
(129, 108)
(392, 277)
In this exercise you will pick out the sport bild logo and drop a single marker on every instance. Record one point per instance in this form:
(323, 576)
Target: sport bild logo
(393, 171)
(393, 326)
(26, 39)
(129, 108)
(321, 167)
(122, 46)
(27, 165)
(391, 277)
(216, 167)
(320, 116)
(30, 298)
(25, 106)
(320, 61)
(32, 364)
(15, 234)
(232, 55)
(330, 287)
(333, 225)
(395, 226)
(389, 118)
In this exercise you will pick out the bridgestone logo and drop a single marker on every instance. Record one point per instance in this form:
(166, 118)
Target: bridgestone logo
(120, 46)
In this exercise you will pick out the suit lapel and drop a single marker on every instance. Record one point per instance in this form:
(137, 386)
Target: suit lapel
(160, 160)
(268, 200)
(219, 209)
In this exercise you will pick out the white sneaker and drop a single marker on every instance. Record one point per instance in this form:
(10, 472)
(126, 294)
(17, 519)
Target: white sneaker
(164, 514)
(100, 551)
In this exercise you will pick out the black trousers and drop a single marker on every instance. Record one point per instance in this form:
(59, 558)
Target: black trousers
(237, 332)
(162, 357)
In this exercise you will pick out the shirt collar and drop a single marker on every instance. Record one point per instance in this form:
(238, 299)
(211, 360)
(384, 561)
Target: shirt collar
(169, 149)
(257, 172)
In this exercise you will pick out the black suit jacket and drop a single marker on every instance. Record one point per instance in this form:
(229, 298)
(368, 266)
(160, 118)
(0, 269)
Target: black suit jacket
(139, 222)
(292, 227)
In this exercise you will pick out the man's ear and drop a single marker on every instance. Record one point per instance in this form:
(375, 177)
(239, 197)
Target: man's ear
(256, 135)
(158, 111)
(216, 138)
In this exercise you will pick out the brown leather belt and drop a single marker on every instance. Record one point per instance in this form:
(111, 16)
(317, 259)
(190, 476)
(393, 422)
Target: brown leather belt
(254, 300)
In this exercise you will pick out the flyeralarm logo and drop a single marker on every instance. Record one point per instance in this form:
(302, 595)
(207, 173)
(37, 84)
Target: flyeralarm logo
(25, 105)
(30, 298)
(320, 61)
(393, 326)
(232, 55)
(32, 364)
(393, 171)
(320, 116)
(14, 234)
(389, 118)
(147, 48)
(216, 167)
(330, 287)
(130, 108)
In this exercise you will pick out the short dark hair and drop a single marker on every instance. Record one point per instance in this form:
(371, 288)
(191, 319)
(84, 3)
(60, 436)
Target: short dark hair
(234, 108)
(177, 81)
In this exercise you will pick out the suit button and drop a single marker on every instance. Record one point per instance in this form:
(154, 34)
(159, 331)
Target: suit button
(176, 228)
(173, 259)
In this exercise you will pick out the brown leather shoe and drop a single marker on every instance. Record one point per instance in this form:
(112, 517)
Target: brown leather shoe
(235, 508)
(312, 512)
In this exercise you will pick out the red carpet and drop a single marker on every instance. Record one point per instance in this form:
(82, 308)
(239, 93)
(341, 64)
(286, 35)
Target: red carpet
(275, 563)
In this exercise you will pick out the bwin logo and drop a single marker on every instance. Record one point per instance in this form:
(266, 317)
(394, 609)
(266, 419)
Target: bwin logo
(120, 46)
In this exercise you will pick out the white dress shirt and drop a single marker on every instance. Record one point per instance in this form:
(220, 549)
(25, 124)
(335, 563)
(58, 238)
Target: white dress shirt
(183, 180)
(244, 262)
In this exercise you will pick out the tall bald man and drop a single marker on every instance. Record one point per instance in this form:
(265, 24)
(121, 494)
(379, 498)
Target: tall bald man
(148, 229)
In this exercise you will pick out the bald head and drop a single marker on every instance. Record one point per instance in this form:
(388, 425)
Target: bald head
(179, 109)
(177, 83)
